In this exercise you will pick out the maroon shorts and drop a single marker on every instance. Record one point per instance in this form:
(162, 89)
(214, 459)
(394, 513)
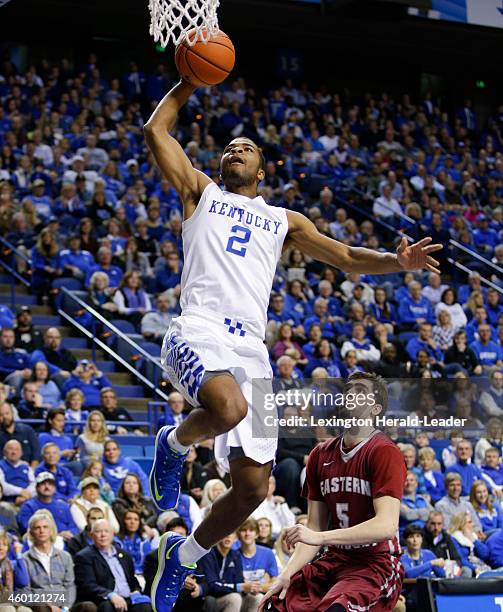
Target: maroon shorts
(357, 582)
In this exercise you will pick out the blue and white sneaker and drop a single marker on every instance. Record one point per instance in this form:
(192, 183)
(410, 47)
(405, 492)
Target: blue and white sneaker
(171, 574)
(166, 472)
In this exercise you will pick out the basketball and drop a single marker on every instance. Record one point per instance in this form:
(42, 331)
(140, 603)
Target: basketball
(205, 63)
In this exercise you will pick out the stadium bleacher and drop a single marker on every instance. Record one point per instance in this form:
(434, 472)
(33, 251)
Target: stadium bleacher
(81, 155)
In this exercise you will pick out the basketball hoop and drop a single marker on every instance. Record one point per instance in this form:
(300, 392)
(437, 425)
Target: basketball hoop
(173, 19)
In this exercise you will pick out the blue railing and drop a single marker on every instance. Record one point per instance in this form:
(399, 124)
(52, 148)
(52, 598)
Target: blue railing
(399, 233)
(80, 426)
(8, 247)
(137, 351)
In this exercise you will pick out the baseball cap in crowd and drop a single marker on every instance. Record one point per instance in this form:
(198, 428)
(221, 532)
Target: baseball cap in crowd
(288, 186)
(53, 219)
(88, 481)
(38, 183)
(22, 309)
(131, 162)
(43, 477)
(77, 158)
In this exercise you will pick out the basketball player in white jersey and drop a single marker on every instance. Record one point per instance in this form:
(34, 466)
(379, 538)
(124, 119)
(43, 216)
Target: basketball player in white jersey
(232, 241)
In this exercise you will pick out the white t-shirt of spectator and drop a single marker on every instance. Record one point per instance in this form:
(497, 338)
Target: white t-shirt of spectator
(458, 316)
(329, 142)
(386, 207)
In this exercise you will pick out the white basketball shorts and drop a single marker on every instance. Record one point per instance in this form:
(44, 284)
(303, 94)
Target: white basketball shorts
(201, 341)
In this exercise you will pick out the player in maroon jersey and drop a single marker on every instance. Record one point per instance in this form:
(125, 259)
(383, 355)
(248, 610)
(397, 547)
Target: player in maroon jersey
(356, 480)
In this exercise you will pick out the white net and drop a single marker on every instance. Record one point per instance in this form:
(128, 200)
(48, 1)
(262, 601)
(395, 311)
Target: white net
(172, 19)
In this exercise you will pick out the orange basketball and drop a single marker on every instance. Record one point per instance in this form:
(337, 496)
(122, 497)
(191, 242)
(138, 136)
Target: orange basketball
(205, 64)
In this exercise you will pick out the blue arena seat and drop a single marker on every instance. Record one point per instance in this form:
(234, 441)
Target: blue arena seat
(132, 450)
(144, 463)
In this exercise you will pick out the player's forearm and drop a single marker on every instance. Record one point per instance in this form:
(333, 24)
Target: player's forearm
(374, 530)
(165, 115)
(368, 261)
(303, 554)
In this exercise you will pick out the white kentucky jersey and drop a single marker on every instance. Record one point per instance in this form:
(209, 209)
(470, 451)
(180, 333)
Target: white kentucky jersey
(231, 246)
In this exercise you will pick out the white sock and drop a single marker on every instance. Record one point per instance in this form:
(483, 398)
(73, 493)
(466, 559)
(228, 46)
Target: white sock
(174, 444)
(190, 551)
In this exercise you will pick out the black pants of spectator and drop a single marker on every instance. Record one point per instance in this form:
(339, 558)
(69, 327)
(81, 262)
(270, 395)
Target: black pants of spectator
(107, 606)
(186, 603)
(287, 474)
(81, 606)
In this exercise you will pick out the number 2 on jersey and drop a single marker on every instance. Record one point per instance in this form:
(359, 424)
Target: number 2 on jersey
(243, 237)
(342, 515)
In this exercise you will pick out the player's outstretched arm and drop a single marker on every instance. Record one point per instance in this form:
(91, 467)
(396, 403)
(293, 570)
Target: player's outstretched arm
(383, 526)
(317, 521)
(169, 155)
(302, 233)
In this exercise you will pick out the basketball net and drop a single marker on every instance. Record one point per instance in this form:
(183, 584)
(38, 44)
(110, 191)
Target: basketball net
(173, 19)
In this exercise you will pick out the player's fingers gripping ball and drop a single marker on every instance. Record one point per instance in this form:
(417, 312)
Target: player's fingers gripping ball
(207, 63)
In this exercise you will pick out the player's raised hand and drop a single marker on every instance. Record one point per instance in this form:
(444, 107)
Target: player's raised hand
(300, 533)
(417, 256)
(280, 586)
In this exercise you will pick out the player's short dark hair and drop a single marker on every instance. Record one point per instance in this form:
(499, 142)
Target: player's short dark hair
(259, 151)
(250, 523)
(379, 386)
(411, 530)
(176, 522)
(262, 159)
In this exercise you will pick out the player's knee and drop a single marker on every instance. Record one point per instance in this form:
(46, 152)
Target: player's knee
(253, 494)
(231, 412)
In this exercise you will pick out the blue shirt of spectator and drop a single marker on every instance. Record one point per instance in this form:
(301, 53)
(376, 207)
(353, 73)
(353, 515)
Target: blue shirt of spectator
(15, 475)
(493, 307)
(11, 359)
(418, 562)
(495, 473)
(46, 500)
(114, 274)
(415, 308)
(116, 468)
(320, 317)
(63, 442)
(315, 336)
(74, 261)
(222, 569)
(134, 544)
(24, 434)
(420, 508)
(491, 518)
(424, 342)
(467, 549)
(488, 353)
(168, 271)
(433, 480)
(257, 561)
(65, 485)
(7, 317)
(183, 509)
(484, 237)
(42, 203)
(384, 313)
(472, 328)
(495, 546)
(278, 312)
(20, 576)
(89, 380)
(323, 358)
(469, 472)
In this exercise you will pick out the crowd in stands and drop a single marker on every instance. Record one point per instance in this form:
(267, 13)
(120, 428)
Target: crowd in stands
(81, 197)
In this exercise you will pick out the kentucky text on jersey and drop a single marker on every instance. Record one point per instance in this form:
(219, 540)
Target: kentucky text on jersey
(349, 484)
(246, 217)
